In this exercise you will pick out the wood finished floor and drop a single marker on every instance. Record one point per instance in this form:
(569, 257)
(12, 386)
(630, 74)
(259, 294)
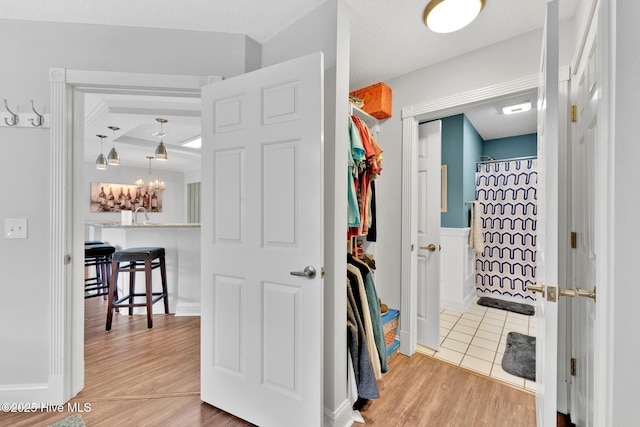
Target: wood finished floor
(140, 377)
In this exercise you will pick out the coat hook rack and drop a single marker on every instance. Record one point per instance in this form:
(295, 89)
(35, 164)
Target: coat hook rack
(40, 118)
(32, 119)
(15, 119)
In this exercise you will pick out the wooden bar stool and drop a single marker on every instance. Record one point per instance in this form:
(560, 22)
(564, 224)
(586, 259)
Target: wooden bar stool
(144, 260)
(98, 255)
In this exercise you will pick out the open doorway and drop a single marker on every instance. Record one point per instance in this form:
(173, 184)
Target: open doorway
(68, 151)
(471, 103)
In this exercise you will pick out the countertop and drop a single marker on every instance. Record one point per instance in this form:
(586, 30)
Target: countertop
(114, 224)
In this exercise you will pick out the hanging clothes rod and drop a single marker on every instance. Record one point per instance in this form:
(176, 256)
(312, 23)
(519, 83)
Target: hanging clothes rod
(513, 159)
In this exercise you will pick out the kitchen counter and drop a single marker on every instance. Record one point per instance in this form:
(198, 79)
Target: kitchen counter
(181, 242)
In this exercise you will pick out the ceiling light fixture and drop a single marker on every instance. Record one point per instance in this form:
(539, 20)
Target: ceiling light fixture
(153, 184)
(517, 108)
(161, 151)
(447, 16)
(113, 158)
(101, 161)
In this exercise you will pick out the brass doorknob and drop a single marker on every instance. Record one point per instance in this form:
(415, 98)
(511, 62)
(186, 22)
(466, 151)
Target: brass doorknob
(537, 288)
(587, 294)
(431, 247)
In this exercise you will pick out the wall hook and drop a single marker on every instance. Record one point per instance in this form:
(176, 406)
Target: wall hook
(36, 122)
(14, 117)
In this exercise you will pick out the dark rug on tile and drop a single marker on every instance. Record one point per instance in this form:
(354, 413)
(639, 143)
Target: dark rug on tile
(520, 356)
(515, 307)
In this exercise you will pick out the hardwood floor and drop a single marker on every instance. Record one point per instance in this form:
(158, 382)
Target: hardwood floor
(136, 376)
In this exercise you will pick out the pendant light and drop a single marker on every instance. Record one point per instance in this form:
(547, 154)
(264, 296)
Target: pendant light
(113, 158)
(447, 16)
(101, 161)
(161, 151)
(153, 184)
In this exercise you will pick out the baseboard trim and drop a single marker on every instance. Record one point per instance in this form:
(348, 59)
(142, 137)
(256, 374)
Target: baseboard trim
(341, 417)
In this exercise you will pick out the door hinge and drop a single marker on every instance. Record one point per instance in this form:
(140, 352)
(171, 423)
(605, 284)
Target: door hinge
(574, 113)
(412, 247)
(573, 366)
(67, 259)
(574, 240)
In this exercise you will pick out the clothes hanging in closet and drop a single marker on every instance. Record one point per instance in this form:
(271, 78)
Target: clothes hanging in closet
(365, 335)
(365, 165)
(356, 341)
(374, 309)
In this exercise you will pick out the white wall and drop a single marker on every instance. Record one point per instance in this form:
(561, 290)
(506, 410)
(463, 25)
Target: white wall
(625, 205)
(34, 48)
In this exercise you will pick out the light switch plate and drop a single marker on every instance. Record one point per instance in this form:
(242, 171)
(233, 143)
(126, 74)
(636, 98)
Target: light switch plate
(15, 228)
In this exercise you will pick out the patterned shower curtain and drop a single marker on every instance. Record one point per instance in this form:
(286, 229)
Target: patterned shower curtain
(507, 204)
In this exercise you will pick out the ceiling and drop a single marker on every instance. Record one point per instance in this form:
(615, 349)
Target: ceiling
(388, 39)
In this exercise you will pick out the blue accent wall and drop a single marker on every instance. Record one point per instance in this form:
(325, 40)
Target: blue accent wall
(514, 146)
(452, 150)
(462, 147)
(473, 149)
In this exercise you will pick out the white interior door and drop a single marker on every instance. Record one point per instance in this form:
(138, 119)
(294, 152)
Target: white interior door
(547, 268)
(262, 205)
(427, 232)
(585, 95)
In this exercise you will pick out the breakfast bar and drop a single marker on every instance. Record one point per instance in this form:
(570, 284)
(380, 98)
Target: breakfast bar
(182, 251)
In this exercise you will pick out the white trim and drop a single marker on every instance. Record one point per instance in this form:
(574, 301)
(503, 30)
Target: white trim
(188, 309)
(341, 417)
(605, 213)
(66, 372)
(408, 282)
(450, 105)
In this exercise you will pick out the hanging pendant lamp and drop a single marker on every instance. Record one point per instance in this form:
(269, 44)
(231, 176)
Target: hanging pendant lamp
(447, 16)
(101, 161)
(161, 150)
(113, 158)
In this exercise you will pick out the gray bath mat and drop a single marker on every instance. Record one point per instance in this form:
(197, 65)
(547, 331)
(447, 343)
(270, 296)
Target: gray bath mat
(515, 307)
(520, 356)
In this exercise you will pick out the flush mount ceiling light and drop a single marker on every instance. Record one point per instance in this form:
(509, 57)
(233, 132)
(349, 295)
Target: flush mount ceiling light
(101, 161)
(113, 158)
(161, 151)
(447, 16)
(517, 108)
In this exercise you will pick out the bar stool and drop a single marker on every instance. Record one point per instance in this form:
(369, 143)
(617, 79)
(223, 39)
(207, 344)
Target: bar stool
(98, 255)
(144, 260)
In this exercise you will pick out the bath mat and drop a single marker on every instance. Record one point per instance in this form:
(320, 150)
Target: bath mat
(515, 307)
(72, 421)
(520, 356)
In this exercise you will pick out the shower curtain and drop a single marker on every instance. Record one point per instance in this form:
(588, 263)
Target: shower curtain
(507, 204)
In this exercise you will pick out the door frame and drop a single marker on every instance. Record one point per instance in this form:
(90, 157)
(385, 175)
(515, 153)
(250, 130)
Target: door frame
(412, 116)
(66, 240)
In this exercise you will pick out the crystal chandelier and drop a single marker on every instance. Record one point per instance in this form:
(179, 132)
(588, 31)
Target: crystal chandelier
(152, 184)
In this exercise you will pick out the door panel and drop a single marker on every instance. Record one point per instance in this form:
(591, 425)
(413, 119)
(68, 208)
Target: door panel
(547, 256)
(584, 256)
(262, 340)
(428, 233)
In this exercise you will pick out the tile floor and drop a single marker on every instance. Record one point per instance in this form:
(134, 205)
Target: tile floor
(476, 340)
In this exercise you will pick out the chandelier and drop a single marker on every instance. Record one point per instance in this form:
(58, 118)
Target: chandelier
(152, 184)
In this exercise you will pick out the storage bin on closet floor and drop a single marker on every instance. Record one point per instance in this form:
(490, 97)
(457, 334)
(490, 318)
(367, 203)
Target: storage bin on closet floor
(390, 328)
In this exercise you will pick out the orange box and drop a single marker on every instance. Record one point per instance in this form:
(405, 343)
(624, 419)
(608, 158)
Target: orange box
(377, 100)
